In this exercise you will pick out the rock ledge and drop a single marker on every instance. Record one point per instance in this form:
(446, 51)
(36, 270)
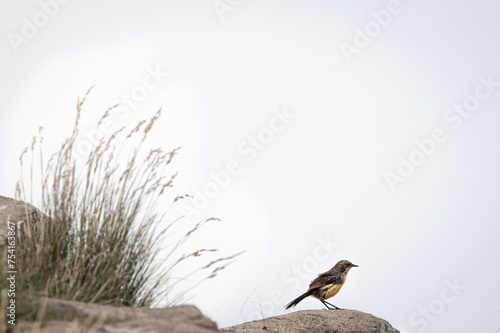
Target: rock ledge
(317, 321)
(63, 316)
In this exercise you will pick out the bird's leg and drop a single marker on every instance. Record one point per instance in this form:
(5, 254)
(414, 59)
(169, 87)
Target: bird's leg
(326, 304)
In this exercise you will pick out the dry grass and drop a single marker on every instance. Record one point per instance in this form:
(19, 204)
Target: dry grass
(100, 236)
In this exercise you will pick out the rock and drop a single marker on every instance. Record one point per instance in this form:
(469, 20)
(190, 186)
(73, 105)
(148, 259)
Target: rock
(317, 321)
(63, 316)
(15, 211)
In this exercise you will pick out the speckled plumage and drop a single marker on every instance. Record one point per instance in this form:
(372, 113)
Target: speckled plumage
(327, 284)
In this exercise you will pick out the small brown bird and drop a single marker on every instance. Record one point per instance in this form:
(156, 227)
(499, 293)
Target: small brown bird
(326, 285)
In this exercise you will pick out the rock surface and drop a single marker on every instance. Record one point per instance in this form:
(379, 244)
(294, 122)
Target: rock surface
(317, 321)
(61, 316)
(15, 211)
(68, 316)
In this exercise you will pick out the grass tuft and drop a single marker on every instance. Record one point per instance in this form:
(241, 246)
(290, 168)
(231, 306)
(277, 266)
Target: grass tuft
(98, 237)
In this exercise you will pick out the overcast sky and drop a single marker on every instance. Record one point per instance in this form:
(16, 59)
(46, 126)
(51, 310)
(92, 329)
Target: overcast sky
(316, 130)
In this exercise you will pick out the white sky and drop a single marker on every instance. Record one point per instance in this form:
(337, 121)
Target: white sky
(317, 177)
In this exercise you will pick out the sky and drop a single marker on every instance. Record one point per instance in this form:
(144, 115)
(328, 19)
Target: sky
(315, 130)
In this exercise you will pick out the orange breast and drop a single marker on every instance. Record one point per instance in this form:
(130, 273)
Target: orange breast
(330, 291)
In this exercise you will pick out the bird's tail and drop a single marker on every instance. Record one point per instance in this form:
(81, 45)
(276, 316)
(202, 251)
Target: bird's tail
(296, 301)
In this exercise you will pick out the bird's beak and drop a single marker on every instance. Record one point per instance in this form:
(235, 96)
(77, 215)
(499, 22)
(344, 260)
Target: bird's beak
(354, 265)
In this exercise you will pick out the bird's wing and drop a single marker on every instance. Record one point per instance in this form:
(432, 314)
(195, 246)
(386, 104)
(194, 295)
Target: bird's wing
(325, 279)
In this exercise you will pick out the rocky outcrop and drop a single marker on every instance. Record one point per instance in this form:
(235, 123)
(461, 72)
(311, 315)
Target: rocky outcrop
(317, 321)
(62, 316)
(17, 212)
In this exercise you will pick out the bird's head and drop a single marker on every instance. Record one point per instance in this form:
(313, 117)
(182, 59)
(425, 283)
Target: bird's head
(345, 265)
